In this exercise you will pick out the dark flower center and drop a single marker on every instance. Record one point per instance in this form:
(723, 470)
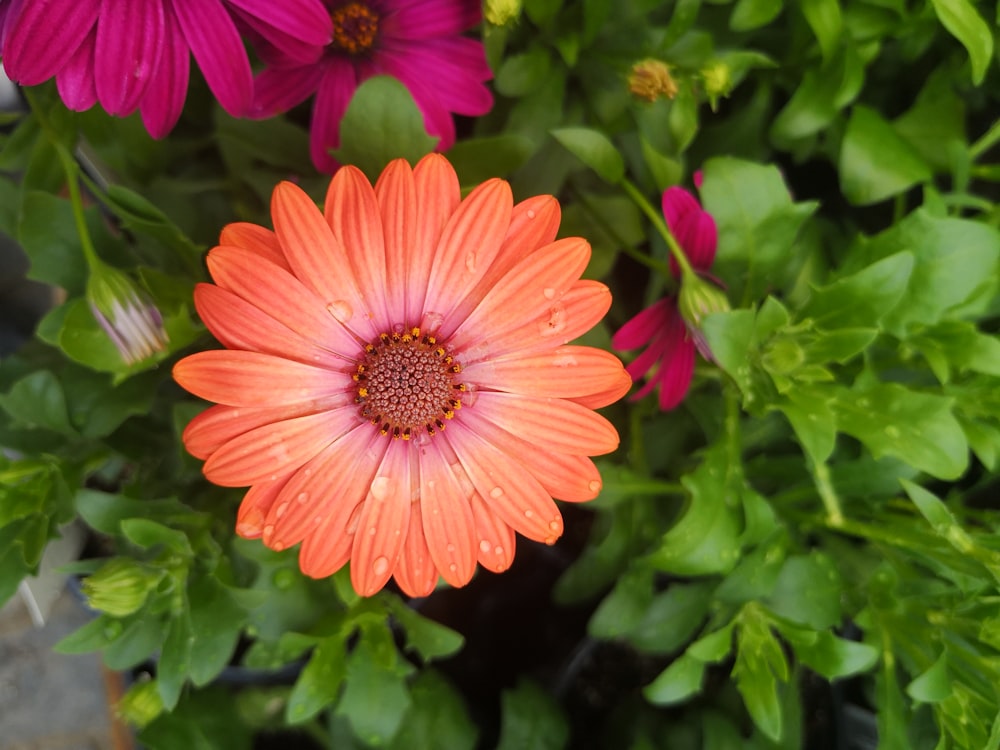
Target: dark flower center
(355, 26)
(406, 383)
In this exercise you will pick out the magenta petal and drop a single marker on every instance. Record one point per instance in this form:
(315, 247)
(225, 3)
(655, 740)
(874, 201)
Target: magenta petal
(306, 21)
(639, 330)
(217, 48)
(335, 90)
(700, 240)
(161, 106)
(677, 365)
(277, 90)
(44, 37)
(129, 42)
(75, 82)
(679, 207)
(452, 70)
(426, 19)
(437, 118)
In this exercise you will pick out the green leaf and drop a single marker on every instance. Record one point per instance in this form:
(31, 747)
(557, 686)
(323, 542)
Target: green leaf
(752, 14)
(714, 647)
(672, 617)
(918, 428)
(595, 150)
(808, 411)
(437, 717)
(174, 664)
(623, 609)
(430, 639)
(93, 635)
(382, 123)
(376, 697)
(47, 232)
(139, 214)
(531, 720)
(320, 681)
(875, 162)
(808, 591)
(609, 223)
(523, 73)
(936, 121)
(760, 666)
(706, 538)
(478, 159)
(758, 225)
(678, 682)
(933, 685)
(829, 656)
(864, 297)
(37, 401)
(964, 23)
(105, 512)
(824, 18)
(216, 621)
(147, 533)
(142, 636)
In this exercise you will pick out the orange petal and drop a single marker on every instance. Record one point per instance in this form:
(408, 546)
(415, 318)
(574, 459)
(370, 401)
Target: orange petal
(316, 491)
(532, 286)
(240, 325)
(318, 258)
(568, 317)
(447, 517)
(496, 541)
(278, 448)
(469, 244)
(252, 379)
(255, 506)
(385, 518)
(415, 572)
(551, 423)
(328, 548)
(513, 494)
(565, 476)
(608, 396)
(219, 424)
(352, 212)
(438, 195)
(282, 296)
(396, 191)
(534, 223)
(257, 239)
(565, 372)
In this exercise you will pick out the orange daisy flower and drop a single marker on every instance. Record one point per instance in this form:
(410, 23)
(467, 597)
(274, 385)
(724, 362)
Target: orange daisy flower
(356, 336)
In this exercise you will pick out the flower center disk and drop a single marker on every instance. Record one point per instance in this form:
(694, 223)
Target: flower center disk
(406, 383)
(355, 26)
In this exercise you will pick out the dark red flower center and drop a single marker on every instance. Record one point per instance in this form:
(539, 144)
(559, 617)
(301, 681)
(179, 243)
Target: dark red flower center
(406, 384)
(355, 26)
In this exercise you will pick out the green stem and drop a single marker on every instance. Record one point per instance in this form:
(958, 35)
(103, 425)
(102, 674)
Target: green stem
(72, 171)
(985, 142)
(661, 226)
(821, 476)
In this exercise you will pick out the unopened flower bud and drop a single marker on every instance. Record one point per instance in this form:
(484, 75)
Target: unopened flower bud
(121, 586)
(718, 81)
(650, 79)
(699, 298)
(501, 12)
(141, 704)
(126, 314)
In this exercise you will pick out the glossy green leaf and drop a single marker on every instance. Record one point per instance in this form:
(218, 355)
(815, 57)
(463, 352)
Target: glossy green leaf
(594, 149)
(623, 609)
(807, 591)
(609, 223)
(531, 720)
(760, 668)
(824, 18)
(918, 428)
(146, 533)
(672, 617)
(382, 123)
(864, 297)
(808, 411)
(174, 664)
(216, 622)
(875, 162)
(319, 684)
(962, 19)
(429, 639)
(752, 14)
(38, 401)
(437, 717)
(936, 120)
(141, 637)
(830, 656)
(933, 685)
(678, 682)
(478, 159)
(523, 73)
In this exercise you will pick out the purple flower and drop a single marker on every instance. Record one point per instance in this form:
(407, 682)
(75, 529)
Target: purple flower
(417, 42)
(669, 356)
(126, 313)
(130, 55)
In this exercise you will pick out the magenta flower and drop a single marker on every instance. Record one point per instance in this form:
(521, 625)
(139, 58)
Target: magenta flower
(131, 55)
(668, 360)
(418, 43)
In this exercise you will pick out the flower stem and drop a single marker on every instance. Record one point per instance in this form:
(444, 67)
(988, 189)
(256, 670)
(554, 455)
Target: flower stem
(661, 226)
(985, 142)
(821, 476)
(651, 263)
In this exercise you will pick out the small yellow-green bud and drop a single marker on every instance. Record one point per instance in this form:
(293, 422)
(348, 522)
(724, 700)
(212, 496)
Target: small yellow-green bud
(717, 78)
(650, 79)
(501, 12)
(126, 314)
(141, 704)
(698, 298)
(120, 586)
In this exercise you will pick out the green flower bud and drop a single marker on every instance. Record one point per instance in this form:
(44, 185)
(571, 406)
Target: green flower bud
(718, 80)
(501, 12)
(141, 704)
(698, 298)
(126, 314)
(650, 79)
(121, 586)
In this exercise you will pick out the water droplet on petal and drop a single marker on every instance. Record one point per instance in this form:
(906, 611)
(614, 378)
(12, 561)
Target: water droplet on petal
(372, 531)
(450, 548)
(431, 321)
(268, 533)
(341, 310)
(549, 292)
(485, 546)
(530, 213)
(555, 526)
(528, 514)
(380, 565)
(382, 488)
(497, 492)
(303, 496)
(554, 322)
(470, 261)
(498, 551)
(280, 510)
(550, 540)
(595, 485)
(453, 567)
(354, 520)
